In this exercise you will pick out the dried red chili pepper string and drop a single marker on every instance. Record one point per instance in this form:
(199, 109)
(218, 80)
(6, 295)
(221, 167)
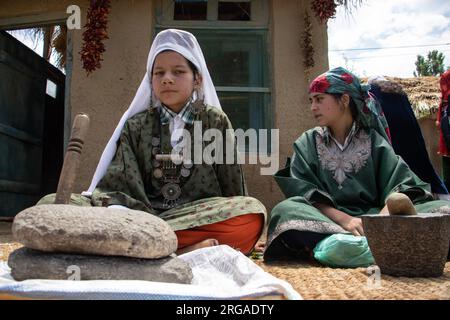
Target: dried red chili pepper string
(324, 9)
(95, 32)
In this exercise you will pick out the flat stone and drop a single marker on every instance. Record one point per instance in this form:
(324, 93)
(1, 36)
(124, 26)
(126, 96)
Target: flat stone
(28, 264)
(94, 230)
(411, 246)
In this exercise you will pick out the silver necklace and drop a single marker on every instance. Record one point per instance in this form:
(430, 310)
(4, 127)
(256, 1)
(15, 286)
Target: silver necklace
(171, 174)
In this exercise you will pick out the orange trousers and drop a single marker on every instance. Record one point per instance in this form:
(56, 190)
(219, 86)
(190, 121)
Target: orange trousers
(241, 232)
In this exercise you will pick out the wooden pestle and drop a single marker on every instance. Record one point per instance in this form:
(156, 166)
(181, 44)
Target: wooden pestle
(72, 158)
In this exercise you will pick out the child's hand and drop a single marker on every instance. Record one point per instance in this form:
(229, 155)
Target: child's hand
(354, 225)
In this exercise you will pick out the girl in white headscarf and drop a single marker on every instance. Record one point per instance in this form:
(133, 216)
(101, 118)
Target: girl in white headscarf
(205, 204)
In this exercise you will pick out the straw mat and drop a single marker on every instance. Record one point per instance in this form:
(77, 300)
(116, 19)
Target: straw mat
(313, 281)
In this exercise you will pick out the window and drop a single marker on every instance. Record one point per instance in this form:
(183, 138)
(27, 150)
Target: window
(190, 10)
(234, 11)
(234, 41)
(51, 88)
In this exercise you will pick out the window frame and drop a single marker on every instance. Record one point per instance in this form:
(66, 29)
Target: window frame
(165, 8)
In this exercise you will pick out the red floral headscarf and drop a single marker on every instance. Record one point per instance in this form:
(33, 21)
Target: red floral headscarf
(340, 80)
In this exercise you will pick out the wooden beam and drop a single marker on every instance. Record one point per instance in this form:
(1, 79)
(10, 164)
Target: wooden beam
(35, 20)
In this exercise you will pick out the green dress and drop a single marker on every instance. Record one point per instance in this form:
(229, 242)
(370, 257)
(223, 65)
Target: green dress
(356, 181)
(209, 194)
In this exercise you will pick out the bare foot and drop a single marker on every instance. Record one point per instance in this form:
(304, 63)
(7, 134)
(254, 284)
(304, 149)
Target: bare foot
(202, 244)
(260, 246)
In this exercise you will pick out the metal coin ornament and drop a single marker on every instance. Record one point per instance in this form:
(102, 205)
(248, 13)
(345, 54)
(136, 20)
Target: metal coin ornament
(155, 151)
(155, 141)
(185, 172)
(158, 173)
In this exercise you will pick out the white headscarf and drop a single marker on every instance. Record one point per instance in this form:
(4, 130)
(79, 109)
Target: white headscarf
(179, 41)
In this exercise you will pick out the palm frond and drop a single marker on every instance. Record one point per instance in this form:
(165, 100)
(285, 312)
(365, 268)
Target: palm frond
(52, 38)
(350, 5)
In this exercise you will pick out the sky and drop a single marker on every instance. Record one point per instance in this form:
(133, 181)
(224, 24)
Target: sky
(424, 24)
(36, 46)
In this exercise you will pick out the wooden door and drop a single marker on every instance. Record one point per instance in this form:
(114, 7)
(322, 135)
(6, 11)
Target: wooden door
(23, 102)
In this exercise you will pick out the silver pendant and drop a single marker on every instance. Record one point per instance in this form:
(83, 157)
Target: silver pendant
(155, 151)
(171, 191)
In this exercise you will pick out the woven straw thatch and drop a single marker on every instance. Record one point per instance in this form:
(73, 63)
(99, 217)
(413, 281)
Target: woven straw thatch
(423, 93)
(313, 281)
